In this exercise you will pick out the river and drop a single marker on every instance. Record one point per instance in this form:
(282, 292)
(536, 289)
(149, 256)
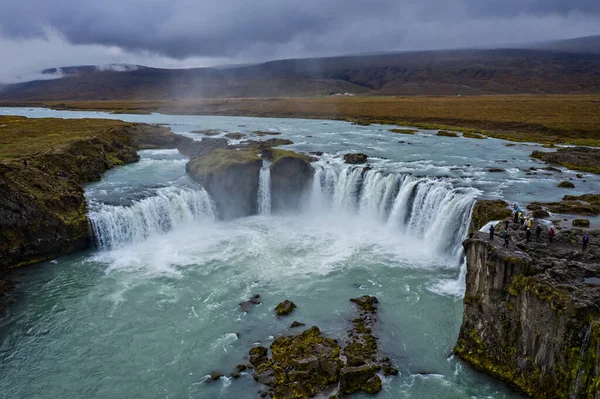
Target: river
(154, 308)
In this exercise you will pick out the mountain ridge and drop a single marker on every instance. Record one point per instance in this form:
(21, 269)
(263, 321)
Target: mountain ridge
(540, 70)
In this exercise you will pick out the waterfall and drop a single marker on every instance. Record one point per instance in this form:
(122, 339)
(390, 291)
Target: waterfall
(264, 189)
(114, 226)
(429, 208)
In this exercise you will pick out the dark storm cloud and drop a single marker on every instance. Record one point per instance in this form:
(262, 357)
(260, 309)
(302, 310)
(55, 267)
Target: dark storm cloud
(188, 32)
(508, 8)
(182, 28)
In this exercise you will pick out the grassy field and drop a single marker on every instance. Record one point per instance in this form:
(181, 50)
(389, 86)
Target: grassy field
(570, 119)
(22, 137)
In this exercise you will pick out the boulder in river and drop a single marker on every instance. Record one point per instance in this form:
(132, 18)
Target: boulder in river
(355, 158)
(581, 223)
(285, 308)
(235, 136)
(565, 184)
(249, 304)
(496, 170)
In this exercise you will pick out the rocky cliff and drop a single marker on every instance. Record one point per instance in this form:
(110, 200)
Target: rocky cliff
(531, 315)
(291, 174)
(42, 207)
(231, 175)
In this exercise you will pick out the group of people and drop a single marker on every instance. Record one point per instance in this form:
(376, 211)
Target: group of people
(526, 223)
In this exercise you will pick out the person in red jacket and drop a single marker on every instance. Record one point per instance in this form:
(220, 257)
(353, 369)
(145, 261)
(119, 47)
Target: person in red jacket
(551, 234)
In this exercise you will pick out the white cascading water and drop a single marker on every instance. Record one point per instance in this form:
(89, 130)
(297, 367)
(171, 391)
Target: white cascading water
(264, 189)
(428, 208)
(115, 226)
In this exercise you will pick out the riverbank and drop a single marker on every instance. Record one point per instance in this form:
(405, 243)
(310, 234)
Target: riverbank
(546, 119)
(43, 165)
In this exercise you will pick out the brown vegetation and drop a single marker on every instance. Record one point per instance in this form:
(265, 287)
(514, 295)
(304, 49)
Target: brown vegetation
(572, 119)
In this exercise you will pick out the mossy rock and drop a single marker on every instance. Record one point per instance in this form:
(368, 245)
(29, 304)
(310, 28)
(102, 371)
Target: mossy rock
(231, 178)
(285, 308)
(353, 379)
(581, 223)
(355, 159)
(487, 210)
(404, 131)
(261, 133)
(565, 184)
(470, 135)
(235, 136)
(444, 133)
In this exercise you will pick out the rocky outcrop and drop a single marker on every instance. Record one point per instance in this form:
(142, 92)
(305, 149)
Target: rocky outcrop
(565, 184)
(42, 207)
(576, 158)
(486, 210)
(305, 365)
(444, 133)
(194, 148)
(285, 308)
(231, 179)
(531, 316)
(230, 174)
(291, 174)
(587, 204)
(355, 159)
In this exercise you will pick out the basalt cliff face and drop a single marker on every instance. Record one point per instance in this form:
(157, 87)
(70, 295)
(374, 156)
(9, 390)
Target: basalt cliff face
(231, 175)
(531, 315)
(42, 207)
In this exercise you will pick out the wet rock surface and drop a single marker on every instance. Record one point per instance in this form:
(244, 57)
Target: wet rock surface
(355, 159)
(486, 210)
(246, 306)
(230, 174)
(310, 364)
(531, 315)
(576, 158)
(565, 184)
(194, 148)
(285, 308)
(587, 204)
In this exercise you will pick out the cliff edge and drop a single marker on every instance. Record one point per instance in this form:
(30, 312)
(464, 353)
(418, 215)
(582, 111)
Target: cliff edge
(531, 313)
(43, 165)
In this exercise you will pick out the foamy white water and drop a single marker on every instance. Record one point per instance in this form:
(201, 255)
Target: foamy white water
(264, 189)
(169, 208)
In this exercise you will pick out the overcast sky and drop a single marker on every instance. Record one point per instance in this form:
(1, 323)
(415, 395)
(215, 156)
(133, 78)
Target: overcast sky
(38, 34)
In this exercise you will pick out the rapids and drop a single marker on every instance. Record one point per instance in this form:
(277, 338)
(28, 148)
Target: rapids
(154, 308)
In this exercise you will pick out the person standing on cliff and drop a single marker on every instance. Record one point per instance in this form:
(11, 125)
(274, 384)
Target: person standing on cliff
(492, 230)
(25, 163)
(585, 241)
(538, 232)
(551, 234)
(506, 238)
(528, 234)
(506, 222)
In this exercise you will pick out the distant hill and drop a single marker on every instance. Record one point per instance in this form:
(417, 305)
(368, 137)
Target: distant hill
(452, 72)
(589, 44)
